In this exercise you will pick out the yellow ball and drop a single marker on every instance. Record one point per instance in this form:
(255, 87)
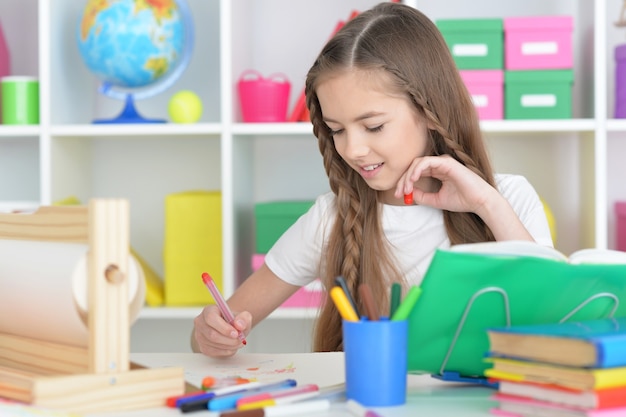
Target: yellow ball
(185, 107)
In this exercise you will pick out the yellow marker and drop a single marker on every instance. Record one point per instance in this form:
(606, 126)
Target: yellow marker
(257, 404)
(343, 304)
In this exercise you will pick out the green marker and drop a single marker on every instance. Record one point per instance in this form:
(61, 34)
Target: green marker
(396, 294)
(403, 311)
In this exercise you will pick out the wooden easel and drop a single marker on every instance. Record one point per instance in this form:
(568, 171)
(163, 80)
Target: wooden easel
(99, 377)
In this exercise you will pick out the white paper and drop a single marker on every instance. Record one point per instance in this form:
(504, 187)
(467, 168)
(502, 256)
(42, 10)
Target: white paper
(43, 290)
(325, 369)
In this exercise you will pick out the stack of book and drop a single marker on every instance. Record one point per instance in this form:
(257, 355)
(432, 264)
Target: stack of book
(575, 369)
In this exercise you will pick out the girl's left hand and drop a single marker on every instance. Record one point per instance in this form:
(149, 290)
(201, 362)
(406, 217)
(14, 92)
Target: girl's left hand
(444, 183)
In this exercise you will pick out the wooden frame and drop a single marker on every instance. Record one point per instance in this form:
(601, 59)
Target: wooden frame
(99, 377)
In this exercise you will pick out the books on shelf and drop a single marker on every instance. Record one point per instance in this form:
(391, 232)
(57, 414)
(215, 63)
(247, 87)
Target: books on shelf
(596, 343)
(560, 369)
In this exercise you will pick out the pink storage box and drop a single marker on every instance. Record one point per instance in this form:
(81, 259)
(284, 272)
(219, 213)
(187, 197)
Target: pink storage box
(620, 215)
(310, 295)
(487, 90)
(538, 42)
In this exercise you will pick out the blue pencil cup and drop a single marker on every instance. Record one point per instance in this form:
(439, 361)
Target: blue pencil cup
(376, 361)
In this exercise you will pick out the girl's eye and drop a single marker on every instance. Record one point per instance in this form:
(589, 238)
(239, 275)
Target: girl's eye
(375, 129)
(335, 132)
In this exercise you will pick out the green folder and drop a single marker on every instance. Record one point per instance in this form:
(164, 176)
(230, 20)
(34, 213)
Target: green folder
(464, 294)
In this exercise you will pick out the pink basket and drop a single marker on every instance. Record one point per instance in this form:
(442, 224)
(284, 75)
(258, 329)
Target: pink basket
(263, 99)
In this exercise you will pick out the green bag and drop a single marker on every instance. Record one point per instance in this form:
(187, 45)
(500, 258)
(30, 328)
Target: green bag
(464, 294)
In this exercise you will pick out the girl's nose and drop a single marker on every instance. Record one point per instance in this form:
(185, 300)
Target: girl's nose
(356, 146)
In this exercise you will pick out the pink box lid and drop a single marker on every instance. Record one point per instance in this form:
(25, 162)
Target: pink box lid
(482, 76)
(539, 22)
(620, 208)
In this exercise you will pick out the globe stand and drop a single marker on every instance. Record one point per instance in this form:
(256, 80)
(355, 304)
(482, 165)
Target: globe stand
(128, 115)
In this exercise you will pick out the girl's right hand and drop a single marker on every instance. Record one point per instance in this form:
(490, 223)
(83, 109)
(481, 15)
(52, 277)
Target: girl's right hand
(215, 337)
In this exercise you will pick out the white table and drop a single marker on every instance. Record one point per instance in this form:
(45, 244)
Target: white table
(426, 396)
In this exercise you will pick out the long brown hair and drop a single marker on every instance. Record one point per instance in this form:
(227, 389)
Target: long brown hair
(404, 43)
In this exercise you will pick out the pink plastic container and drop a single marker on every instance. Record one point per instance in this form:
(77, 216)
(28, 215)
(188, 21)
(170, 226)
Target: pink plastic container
(620, 215)
(538, 42)
(5, 60)
(308, 296)
(487, 90)
(263, 99)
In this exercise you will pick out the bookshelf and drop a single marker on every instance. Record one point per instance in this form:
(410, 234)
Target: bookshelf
(576, 165)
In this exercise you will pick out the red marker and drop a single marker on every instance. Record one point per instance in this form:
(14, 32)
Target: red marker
(221, 303)
(171, 401)
(408, 198)
(211, 382)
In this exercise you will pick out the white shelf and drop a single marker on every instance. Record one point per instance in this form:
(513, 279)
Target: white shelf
(538, 126)
(121, 131)
(7, 131)
(576, 165)
(266, 129)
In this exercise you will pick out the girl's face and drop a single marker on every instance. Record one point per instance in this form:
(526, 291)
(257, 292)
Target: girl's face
(377, 133)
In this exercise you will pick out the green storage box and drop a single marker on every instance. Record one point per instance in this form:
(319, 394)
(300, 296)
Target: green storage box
(538, 94)
(474, 43)
(274, 218)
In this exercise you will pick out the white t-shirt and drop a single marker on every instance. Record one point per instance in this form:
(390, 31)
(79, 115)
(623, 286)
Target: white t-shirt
(414, 233)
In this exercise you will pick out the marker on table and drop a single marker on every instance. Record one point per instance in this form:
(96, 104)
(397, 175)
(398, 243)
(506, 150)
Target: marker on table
(404, 309)
(341, 281)
(305, 407)
(343, 305)
(276, 394)
(211, 382)
(225, 398)
(279, 401)
(221, 303)
(357, 410)
(205, 396)
(175, 400)
(368, 300)
(226, 402)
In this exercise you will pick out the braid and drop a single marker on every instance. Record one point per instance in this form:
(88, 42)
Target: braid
(462, 227)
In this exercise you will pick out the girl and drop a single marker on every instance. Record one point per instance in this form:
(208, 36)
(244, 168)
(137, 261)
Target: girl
(408, 170)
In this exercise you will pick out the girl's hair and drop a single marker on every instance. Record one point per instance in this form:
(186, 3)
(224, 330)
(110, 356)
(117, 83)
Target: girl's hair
(408, 47)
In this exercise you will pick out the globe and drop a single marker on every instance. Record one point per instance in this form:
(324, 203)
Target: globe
(136, 48)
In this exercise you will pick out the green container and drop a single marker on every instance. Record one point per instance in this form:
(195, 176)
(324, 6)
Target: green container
(274, 218)
(538, 94)
(474, 43)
